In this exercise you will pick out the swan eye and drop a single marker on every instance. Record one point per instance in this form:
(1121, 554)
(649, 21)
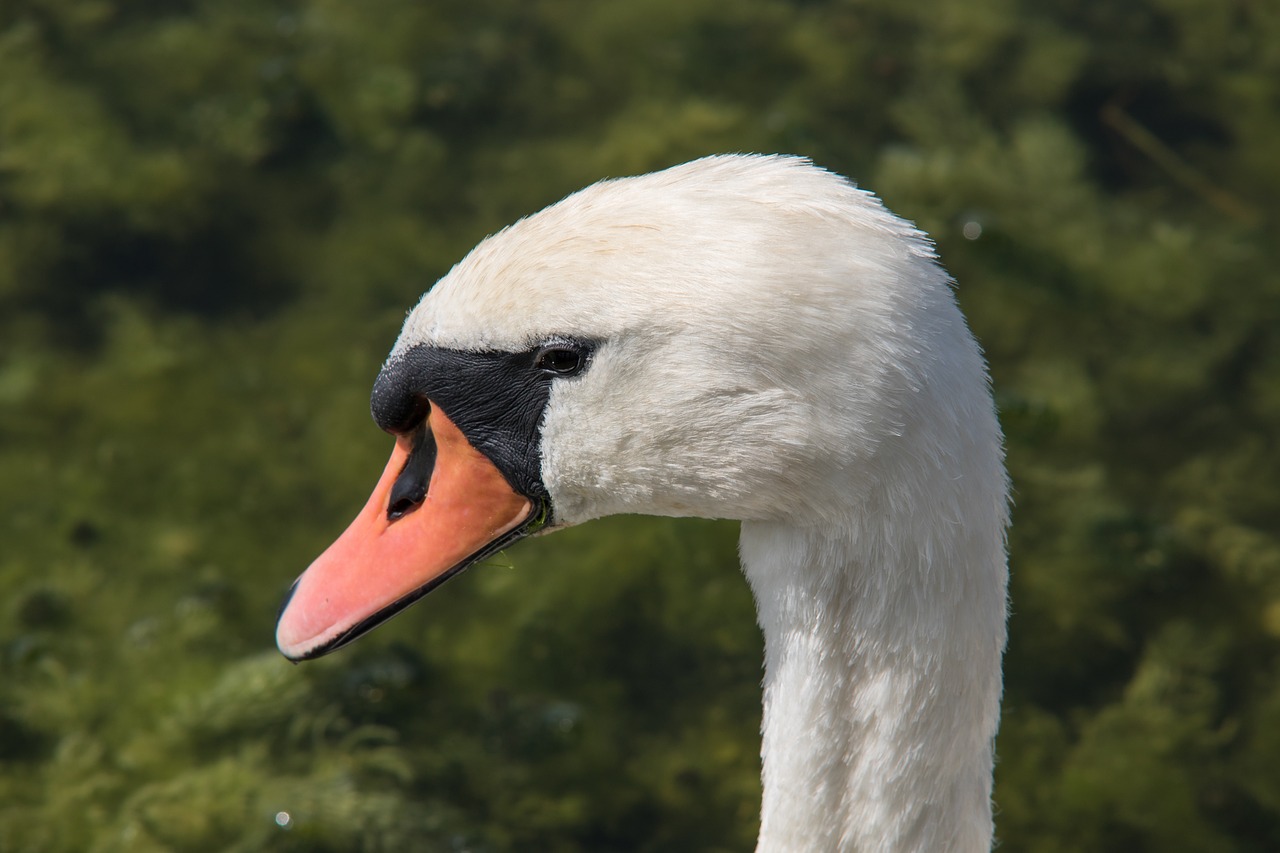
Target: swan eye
(560, 360)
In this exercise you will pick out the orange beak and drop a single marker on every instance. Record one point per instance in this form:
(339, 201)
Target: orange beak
(385, 561)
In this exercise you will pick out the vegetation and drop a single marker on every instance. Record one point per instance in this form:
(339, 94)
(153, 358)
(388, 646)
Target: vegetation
(213, 215)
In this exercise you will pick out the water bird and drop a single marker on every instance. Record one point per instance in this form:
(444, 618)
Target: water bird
(746, 337)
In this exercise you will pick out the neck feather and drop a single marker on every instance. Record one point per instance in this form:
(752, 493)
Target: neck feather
(882, 681)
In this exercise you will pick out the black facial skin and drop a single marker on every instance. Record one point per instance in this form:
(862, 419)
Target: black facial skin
(497, 399)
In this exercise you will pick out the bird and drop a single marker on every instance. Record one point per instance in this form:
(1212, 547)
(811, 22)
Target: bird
(748, 337)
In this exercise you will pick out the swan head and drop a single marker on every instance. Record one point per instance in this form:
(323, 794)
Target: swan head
(739, 337)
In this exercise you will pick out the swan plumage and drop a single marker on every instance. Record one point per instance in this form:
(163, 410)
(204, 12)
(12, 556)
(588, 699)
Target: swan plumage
(745, 337)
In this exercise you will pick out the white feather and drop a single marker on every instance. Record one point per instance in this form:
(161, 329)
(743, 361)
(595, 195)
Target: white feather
(776, 347)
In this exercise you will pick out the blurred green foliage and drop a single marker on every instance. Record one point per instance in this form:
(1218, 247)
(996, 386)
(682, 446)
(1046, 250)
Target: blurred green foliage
(213, 215)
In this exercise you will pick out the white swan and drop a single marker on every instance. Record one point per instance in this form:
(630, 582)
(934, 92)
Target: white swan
(744, 337)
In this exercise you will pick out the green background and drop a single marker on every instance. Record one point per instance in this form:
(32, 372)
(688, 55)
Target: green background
(213, 216)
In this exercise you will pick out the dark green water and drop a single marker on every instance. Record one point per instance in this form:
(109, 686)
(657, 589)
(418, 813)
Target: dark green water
(214, 215)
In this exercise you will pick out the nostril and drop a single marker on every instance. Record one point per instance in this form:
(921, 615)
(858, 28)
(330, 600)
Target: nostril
(404, 497)
(402, 503)
(410, 488)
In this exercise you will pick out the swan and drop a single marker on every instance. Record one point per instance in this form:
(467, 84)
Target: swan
(748, 337)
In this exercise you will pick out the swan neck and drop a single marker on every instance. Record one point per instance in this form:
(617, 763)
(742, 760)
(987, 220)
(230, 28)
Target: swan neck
(881, 689)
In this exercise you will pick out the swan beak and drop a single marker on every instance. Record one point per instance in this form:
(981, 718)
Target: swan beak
(390, 555)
